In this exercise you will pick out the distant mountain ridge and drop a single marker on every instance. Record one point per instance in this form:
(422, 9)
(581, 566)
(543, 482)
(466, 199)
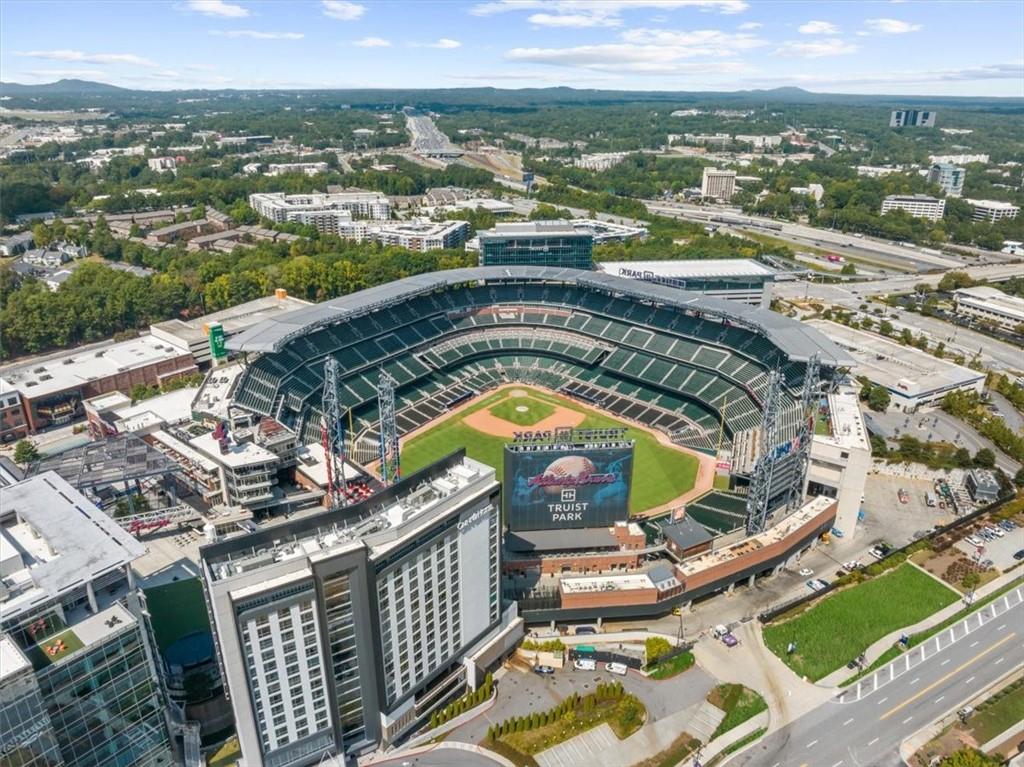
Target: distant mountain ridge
(66, 86)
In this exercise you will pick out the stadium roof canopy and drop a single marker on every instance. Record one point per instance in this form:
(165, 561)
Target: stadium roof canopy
(797, 340)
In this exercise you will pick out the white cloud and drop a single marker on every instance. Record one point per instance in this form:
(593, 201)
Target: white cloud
(1008, 71)
(819, 28)
(446, 44)
(623, 57)
(255, 35)
(372, 42)
(891, 26)
(573, 20)
(217, 8)
(816, 49)
(596, 13)
(699, 42)
(750, 25)
(343, 10)
(90, 58)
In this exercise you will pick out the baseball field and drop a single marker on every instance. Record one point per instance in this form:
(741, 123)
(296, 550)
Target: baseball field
(663, 474)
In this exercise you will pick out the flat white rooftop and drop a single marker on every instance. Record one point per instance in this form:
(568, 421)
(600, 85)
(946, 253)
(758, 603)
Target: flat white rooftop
(237, 455)
(63, 541)
(234, 320)
(530, 229)
(890, 364)
(992, 299)
(846, 421)
(12, 660)
(173, 407)
(69, 369)
(313, 463)
(724, 267)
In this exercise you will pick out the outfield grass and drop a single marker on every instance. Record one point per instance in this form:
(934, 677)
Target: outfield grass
(843, 625)
(660, 473)
(176, 610)
(509, 410)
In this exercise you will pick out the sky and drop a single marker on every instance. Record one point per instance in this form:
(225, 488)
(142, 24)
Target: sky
(895, 47)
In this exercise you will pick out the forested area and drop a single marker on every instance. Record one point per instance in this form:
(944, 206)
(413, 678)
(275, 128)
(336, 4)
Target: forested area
(97, 302)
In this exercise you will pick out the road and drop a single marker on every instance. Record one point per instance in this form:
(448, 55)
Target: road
(427, 139)
(866, 724)
(995, 354)
(937, 426)
(441, 756)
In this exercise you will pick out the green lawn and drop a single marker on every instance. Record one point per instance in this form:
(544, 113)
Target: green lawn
(660, 473)
(40, 658)
(1000, 712)
(509, 409)
(843, 625)
(672, 667)
(177, 609)
(739, 704)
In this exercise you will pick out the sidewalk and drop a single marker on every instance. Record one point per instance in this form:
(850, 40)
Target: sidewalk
(840, 675)
(754, 665)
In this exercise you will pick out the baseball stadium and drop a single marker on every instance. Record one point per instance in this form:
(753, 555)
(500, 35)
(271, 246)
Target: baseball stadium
(487, 357)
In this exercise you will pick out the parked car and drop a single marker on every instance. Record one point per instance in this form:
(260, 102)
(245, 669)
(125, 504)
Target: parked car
(985, 564)
(584, 664)
(823, 583)
(853, 564)
(974, 540)
(998, 532)
(806, 572)
(1019, 555)
(814, 584)
(837, 532)
(1008, 525)
(585, 630)
(543, 670)
(730, 641)
(719, 631)
(876, 552)
(616, 668)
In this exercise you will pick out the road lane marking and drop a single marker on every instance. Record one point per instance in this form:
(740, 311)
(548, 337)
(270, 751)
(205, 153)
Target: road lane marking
(968, 681)
(975, 643)
(996, 663)
(945, 661)
(812, 744)
(1001, 627)
(838, 763)
(951, 674)
(915, 680)
(907, 719)
(940, 699)
(873, 742)
(883, 700)
(847, 721)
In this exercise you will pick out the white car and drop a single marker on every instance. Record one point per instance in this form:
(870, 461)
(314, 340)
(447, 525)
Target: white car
(996, 531)
(974, 540)
(806, 572)
(853, 564)
(616, 668)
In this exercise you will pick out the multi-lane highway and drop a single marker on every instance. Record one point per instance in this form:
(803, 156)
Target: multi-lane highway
(865, 723)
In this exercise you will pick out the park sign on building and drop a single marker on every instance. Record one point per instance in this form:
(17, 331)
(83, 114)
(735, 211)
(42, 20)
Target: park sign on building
(567, 478)
(217, 348)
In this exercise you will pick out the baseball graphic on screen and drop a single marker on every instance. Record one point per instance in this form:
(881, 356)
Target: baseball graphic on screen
(568, 466)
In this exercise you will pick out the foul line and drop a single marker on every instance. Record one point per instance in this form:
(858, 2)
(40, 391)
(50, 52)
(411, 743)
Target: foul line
(952, 673)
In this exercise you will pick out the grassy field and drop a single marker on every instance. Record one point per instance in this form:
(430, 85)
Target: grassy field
(672, 667)
(660, 473)
(177, 609)
(509, 409)
(843, 625)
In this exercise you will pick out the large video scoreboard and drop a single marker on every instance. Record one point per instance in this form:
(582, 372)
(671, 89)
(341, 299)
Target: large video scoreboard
(567, 478)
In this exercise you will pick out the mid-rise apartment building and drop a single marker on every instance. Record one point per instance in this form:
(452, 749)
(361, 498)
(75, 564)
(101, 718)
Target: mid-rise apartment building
(917, 205)
(325, 211)
(309, 168)
(716, 184)
(536, 243)
(345, 629)
(77, 670)
(949, 177)
(992, 210)
(912, 118)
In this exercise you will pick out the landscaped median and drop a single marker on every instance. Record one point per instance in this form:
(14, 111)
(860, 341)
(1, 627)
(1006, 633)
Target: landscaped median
(817, 640)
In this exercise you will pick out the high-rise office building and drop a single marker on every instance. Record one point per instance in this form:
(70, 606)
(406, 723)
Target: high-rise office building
(949, 177)
(911, 118)
(717, 184)
(78, 673)
(345, 629)
(537, 243)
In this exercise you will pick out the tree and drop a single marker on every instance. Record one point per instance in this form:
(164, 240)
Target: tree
(1018, 478)
(970, 757)
(877, 397)
(848, 268)
(25, 452)
(970, 581)
(656, 647)
(985, 458)
(885, 328)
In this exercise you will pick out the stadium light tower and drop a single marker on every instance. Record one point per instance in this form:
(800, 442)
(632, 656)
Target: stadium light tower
(333, 434)
(805, 432)
(759, 495)
(390, 466)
